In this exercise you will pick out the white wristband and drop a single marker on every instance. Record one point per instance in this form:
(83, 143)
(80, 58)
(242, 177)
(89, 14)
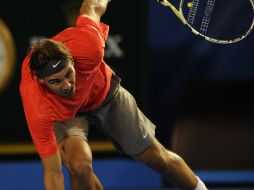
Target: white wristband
(200, 185)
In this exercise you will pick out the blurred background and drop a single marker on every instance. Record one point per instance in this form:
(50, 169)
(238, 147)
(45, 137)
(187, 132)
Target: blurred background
(198, 94)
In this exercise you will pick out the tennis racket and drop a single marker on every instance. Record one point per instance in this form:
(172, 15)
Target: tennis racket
(218, 21)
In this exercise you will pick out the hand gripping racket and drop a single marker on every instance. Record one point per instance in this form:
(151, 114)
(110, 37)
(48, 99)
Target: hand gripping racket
(218, 21)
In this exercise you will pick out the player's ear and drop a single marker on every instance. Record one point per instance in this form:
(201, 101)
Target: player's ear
(41, 81)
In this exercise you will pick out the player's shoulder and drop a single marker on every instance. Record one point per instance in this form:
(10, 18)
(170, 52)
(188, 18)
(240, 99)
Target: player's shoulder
(64, 35)
(74, 34)
(85, 20)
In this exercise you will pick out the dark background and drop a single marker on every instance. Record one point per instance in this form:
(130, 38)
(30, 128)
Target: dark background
(190, 77)
(172, 73)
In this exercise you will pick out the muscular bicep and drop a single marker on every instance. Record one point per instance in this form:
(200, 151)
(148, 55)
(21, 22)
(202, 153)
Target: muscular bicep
(94, 8)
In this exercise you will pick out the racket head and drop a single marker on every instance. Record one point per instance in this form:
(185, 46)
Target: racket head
(219, 21)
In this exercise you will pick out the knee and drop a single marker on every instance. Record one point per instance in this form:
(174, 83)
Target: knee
(166, 159)
(80, 167)
(173, 161)
(159, 158)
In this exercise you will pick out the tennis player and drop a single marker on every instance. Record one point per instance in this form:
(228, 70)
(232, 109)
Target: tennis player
(66, 86)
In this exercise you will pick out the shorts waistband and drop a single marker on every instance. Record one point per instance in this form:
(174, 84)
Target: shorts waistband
(114, 86)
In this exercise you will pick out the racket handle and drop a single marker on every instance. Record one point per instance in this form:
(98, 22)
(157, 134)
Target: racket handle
(169, 5)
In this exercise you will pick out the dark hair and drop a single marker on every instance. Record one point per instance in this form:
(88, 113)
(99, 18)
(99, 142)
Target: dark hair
(44, 51)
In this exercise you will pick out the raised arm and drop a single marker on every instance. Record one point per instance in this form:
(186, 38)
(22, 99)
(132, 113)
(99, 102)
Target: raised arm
(94, 8)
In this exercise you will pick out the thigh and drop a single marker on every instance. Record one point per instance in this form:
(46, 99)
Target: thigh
(77, 126)
(71, 136)
(129, 129)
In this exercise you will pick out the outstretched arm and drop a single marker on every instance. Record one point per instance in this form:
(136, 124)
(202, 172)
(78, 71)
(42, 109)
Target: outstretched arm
(94, 8)
(53, 176)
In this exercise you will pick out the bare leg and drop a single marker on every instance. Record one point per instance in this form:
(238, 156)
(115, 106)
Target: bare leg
(169, 165)
(77, 157)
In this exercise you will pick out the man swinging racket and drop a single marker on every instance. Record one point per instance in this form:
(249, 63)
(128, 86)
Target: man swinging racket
(66, 86)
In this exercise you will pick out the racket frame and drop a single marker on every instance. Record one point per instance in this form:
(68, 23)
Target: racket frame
(179, 13)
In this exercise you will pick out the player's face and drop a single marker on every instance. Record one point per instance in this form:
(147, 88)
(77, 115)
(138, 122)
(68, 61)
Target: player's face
(63, 82)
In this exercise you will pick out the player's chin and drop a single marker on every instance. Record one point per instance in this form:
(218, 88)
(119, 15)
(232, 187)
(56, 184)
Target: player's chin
(68, 94)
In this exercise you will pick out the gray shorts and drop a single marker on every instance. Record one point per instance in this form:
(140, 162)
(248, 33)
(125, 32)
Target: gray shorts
(118, 117)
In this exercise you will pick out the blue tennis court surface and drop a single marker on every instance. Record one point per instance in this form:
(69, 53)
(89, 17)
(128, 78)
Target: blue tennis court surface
(114, 174)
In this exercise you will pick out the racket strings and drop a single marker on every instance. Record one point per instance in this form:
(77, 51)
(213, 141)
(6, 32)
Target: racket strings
(231, 20)
(192, 12)
(207, 15)
(219, 19)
